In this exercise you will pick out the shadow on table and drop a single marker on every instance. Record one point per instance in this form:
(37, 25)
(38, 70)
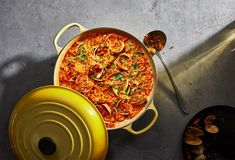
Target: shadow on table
(211, 62)
(18, 76)
(222, 40)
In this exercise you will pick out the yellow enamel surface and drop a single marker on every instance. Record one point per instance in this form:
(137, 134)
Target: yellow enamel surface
(59, 34)
(67, 117)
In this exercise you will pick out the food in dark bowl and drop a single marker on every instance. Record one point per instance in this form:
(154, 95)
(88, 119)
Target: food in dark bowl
(210, 135)
(112, 71)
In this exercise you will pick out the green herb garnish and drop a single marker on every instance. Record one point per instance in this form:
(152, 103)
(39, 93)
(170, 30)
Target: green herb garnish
(137, 54)
(136, 66)
(81, 49)
(123, 58)
(76, 57)
(113, 66)
(118, 76)
(131, 44)
(139, 88)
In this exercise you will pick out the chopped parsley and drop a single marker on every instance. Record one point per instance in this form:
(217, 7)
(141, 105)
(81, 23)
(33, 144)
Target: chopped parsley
(81, 49)
(119, 109)
(83, 58)
(139, 88)
(131, 44)
(123, 58)
(114, 102)
(76, 57)
(113, 66)
(118, 76)
(137, 54)
(136, 66)
(132, 91)
(81, 54)
(111, 85)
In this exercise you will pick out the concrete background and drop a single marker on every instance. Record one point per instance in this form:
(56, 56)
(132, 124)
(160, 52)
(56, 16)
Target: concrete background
(202, 61)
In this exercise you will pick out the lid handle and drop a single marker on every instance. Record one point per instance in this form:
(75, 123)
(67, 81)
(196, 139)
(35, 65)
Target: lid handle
(46, 146)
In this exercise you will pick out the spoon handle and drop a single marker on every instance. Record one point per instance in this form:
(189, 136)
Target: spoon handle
(180, 99)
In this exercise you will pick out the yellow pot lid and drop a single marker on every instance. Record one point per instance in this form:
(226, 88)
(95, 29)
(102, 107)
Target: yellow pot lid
(52, 123)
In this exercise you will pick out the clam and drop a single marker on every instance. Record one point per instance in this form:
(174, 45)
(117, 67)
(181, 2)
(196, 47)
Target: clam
(211, 128)
(118, 62)
(118, 102)
(140, 101)
(106, 122)
(115, 45)
(137, 99)
(192, 140)
(128, 89)
(126, 86)
(194, 131)
(115, 91)
(107, 108)
(101, 50)
(124, 113)
(72, 79)
(95, 72)
(192, 136)
(209, 119)
(112, 74)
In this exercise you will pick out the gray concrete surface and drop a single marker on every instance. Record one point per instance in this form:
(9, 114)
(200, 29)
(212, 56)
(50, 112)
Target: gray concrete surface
(202, 61)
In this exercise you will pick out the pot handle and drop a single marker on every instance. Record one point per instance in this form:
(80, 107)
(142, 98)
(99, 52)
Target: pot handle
(129, 127)
(59, 34)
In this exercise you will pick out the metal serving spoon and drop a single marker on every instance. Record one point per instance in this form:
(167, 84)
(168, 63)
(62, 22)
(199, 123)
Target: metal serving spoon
(155, 41)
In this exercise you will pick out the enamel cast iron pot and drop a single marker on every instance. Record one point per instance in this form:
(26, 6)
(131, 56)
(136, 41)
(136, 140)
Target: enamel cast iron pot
(83, 34)
(53, 122)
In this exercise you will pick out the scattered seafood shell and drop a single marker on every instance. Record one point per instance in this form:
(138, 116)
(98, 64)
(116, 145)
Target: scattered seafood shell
(211, 128)
(194, 131)
(192, 136)
(192, 140)
(209, 119)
